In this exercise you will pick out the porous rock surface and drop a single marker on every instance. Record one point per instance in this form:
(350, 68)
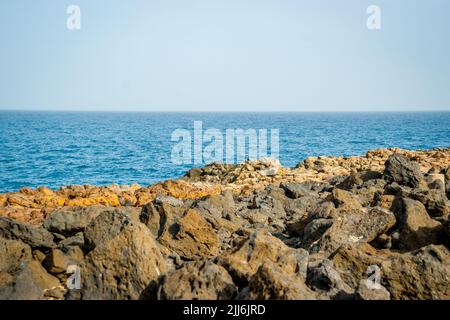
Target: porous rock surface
(373, 227)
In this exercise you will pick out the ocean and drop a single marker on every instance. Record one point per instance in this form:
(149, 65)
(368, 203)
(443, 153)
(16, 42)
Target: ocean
(61, 148)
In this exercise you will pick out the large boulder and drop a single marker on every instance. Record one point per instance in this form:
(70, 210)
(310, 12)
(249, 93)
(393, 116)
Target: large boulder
(71, 220)
(326, 280)
(315, 229)
(191, 236)
(125, 261)
(353, 261)
(22, 277)
(295, 190)
(36, 237)
(435, 201)
(344, 200)
(271, 282)
(416, 227)
(197, 280)
(400, 169)
(68, 221)
(58, 260)
(105, 227)
(264, 209)
(162, 213)
(218, 206)
(249, 253)
(354, 226)
(423, 274)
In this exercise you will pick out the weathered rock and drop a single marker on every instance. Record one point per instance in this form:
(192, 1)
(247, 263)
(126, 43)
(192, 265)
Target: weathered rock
(354, 226)
(271, 282)
(436, 181)
(57, 261)
(105, 227)
(31, 216)
(22, 200)
(344, 200)
(191, 236)
(125, 262)
(76, 240)
(218, 206)
(354, 261)
(160, 214)
(400, 169)
(240, 224)
(423, 274)
(12, 253)
(70, 220)
(416, 227)
(325, 279)
(294, 190)
(246, 257)
(36, 237)
(199, 280)
(21, 277)
(315, 229)
(435, 201)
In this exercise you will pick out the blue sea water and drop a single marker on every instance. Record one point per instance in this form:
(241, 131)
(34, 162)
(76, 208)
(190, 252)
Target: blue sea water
(61, 148)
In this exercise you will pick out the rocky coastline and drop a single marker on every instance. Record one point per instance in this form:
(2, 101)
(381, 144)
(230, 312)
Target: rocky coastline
(371, 227)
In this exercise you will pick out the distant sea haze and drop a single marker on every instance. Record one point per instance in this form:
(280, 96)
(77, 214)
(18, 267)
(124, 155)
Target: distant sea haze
(61, 148)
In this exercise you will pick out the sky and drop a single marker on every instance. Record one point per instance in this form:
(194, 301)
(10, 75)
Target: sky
(225, 55)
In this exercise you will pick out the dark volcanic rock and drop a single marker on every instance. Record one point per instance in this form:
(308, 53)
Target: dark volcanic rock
(125, 262)
(422, 274)
(191, 236)
(199, 280)
(435, 201)
(334, 228)
(271, 282)
(344, 200)
(36, 237)
(22, 277)
(400, 169)
(315, 229)
(354, 226)
(416, 227)
(251, 252)
(68, 221)
(325, 279)
(295, 190)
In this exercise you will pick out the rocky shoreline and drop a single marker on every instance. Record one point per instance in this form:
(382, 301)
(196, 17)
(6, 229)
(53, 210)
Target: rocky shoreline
(365, 227)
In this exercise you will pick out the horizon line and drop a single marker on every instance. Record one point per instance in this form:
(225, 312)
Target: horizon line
(223, 111)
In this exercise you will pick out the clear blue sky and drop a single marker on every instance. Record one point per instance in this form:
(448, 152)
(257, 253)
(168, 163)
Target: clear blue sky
(225, 55)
